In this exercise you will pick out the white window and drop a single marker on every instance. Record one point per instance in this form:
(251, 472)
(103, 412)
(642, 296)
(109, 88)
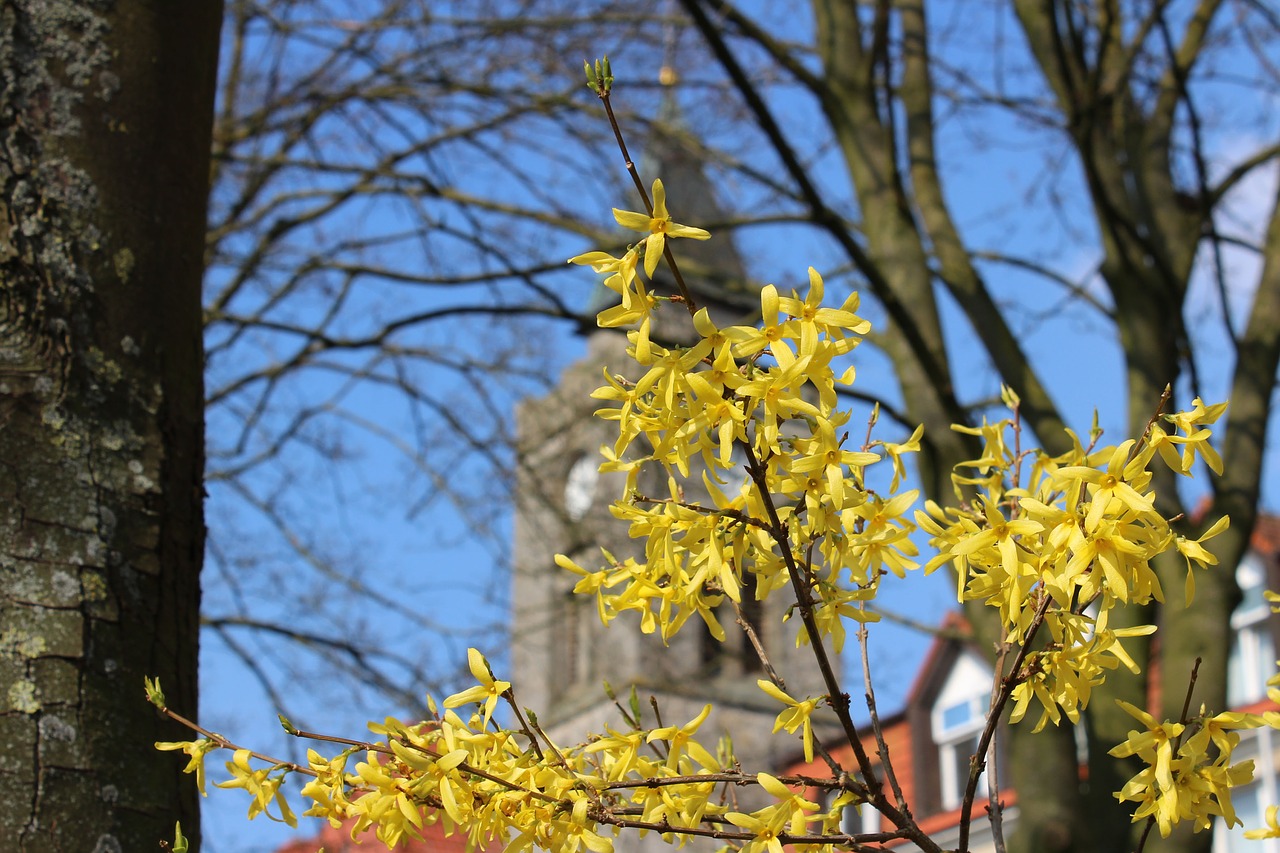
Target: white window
(959, 715)
(1251, 801)
(954, 758)
(860, 820)
(857, 818)
(1253, 654)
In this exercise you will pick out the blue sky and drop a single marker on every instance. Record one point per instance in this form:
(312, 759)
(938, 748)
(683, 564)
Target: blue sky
(396, 532)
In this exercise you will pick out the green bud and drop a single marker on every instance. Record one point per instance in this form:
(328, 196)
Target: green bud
(599, 76)
(154, 694)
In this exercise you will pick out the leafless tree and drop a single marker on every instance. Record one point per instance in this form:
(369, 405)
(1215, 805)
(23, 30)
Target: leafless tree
(395, 193)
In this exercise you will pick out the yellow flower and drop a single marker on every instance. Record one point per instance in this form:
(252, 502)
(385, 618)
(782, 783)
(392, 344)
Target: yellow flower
(487, 692)
(1155, 745)
(766, 833)
(1196, 440)
(879, 537)
(197, 750)
(895, 451)
(260, 785)
(1193, 549)
(836, 609)
(823, 453)
(1272, 829)
(815, 321)
(578, 831)
(1106, 485)
(1219, 730)
(602, 262)
(1001, 534)
(622, 751)
(637, 305)
(1193, 785)
(658, 226)
(795, 716)
(790, 803)
(327, 791)
(773, 331)
(680, 740)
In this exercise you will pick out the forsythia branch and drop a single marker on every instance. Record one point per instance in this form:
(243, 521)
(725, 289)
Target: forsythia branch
(1038, 546)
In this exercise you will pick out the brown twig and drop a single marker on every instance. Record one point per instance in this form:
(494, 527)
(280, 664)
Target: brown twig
(837, 699)
(1175, 746)
(670, 258)
(736, 515)
(510, 696)
(1008, 683)
(995, 808)
(223, 743)
(882, 748)
(752, 637)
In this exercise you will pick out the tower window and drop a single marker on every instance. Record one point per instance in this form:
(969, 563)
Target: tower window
(567, 647)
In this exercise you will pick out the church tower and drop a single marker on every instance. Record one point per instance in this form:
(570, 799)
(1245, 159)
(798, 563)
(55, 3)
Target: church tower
(561, 653)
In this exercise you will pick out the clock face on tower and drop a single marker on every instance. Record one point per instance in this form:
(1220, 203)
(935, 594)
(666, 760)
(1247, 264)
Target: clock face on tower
(580, 487)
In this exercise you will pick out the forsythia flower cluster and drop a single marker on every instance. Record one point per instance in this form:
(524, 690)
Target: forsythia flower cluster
(771, 391)
(1065, 549)
(1054, 551)
(1189, 771)
(515, 786)
(1186, 777)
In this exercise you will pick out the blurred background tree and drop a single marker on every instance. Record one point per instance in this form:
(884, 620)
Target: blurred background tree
(1077, 200)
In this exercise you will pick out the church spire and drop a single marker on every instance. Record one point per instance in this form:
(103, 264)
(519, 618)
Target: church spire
(712, 269)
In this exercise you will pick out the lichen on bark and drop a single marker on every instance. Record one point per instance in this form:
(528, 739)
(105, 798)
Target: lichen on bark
(100, 419)
(51, 56)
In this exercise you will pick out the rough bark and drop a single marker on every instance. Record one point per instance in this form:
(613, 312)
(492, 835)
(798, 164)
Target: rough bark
(106, 114)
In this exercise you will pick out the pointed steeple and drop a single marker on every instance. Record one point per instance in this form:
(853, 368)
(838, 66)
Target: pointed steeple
(712, 269)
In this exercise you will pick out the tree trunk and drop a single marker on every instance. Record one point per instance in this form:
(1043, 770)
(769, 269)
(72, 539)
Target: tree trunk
(106, 114)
